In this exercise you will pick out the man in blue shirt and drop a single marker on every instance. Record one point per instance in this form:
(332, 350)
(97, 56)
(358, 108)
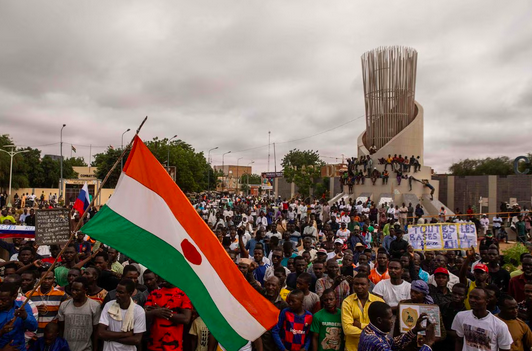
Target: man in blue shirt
(375, 336)
(9, 308)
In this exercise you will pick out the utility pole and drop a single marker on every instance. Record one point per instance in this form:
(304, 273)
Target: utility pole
(11, 153)
(223, 169)
(269, 133)
(61, 161)
(237, 171)
(168, 154)
(209, 171)
(247, 175)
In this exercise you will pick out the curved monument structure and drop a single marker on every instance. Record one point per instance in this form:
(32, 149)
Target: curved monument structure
(394, 126)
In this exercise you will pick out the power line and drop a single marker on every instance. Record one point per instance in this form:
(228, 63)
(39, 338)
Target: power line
(299, 139)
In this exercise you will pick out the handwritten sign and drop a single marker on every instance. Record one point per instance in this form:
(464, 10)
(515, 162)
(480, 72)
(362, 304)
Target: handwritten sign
(442, 236)
(52, 226)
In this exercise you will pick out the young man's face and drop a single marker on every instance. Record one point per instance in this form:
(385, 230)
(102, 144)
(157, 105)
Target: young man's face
(47, 280)
(329, 301)
(28, 281)
(78, 291)
(295, 301)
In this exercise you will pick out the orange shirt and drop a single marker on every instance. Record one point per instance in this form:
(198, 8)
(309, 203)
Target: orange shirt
(375, 277)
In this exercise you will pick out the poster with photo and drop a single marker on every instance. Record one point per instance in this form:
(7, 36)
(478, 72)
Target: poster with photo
(409, 314)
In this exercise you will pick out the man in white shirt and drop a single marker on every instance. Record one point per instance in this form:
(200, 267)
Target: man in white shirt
(302, 209)
(343, 232)
(497, 225)
(115, 317)
(484, 224)
(477, 329)
(395, 289)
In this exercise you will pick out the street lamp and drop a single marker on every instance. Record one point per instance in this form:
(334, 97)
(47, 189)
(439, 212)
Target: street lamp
(223, 169)
(209, 171)
(122, 159)
(237, 171)
(247, 175)
(12, 154)
(61, 161)
(168, 155)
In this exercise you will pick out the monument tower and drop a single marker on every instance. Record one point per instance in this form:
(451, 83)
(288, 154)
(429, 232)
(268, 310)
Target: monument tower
(394, 126)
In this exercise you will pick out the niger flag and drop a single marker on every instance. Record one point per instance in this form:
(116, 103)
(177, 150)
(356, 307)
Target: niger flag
(151, 220)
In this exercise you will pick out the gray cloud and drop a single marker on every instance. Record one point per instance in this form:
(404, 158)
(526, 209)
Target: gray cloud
(224, 73)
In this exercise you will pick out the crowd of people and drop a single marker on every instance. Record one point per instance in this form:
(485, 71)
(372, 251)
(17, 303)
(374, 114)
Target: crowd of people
(358, 169)
(338, 274)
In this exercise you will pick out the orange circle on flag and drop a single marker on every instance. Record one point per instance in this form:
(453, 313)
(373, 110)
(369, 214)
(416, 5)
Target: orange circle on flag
(191, 253)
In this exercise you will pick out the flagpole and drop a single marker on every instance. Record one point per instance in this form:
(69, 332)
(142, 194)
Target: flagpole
(78, 226)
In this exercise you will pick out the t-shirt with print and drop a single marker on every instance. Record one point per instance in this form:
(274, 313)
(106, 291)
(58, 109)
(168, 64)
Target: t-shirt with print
(329, 329)
(481, 334)
(200, 330)
(163, 336)
(392, 294)
(79, 322)
(113, 325)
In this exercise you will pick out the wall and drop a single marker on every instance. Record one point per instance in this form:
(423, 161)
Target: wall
(462, 191)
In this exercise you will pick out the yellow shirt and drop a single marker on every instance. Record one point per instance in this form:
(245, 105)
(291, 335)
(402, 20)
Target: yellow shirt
(351, 311)
(284, 293)
(466, 301)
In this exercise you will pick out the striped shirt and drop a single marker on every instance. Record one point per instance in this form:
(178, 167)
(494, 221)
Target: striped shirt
(52, 300)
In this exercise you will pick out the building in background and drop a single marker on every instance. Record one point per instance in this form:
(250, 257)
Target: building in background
(231, 179)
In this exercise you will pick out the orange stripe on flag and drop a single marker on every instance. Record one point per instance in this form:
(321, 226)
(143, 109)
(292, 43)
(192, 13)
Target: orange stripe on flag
(144, 168)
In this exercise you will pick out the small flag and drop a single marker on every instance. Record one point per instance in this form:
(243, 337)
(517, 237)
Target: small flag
(73, 148)
(180, 247)
(83, 200)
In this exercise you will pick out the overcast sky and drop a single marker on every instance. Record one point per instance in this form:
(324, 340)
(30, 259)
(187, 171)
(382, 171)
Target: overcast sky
(223, 73)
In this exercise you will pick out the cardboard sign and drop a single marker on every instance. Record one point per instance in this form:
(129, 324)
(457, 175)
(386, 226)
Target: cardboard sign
(409, 314)
(52, 226)
(442, 236)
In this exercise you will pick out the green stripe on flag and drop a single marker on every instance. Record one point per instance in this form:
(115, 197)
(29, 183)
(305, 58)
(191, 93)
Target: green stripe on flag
(114, 230)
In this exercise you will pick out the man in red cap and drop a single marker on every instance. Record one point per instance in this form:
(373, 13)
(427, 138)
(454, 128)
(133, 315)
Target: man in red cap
(441, 261)
(440, 293)
(481, 273)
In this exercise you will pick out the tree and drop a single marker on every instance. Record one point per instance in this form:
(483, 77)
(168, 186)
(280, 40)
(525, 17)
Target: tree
(246, 179)
(487, 166)
(191, 166)
(29, 170)
(302, 168)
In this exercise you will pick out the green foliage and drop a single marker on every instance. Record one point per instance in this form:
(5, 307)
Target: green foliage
(512, 255)
(191, 166)
(250, 179)
(488, 166)
(302, 168)
(29, 170)
(322, 188)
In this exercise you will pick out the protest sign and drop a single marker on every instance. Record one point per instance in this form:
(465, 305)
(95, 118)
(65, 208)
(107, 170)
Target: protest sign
(409, 314)
(52, 226)
(442, 236)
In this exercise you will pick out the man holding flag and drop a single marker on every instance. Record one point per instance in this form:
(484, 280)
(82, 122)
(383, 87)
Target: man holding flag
(180, 247)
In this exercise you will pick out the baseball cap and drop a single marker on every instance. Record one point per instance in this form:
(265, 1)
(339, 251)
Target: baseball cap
(323, 251)
(441, 270)
(482, 267)
(339, 241)
(359, 245)
(489, 234)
